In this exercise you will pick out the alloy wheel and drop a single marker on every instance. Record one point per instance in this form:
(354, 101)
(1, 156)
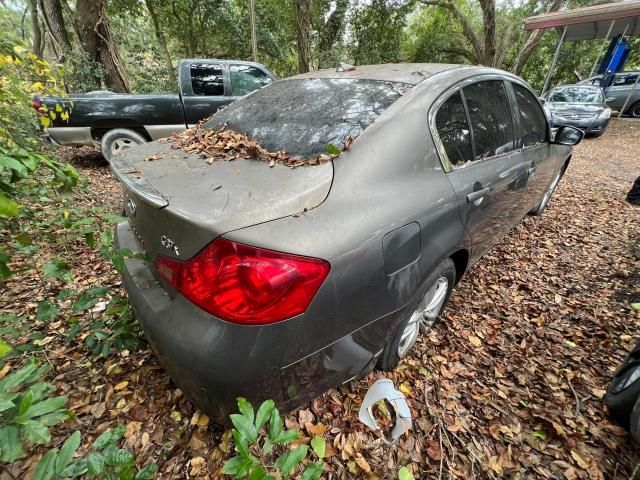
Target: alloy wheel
(121, 144)
(425, 316)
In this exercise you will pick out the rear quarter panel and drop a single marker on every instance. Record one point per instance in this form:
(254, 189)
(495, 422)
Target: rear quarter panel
(390, 177)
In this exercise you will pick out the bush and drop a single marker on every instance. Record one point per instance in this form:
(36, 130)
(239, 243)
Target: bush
(104, 460)
(265, 427)
(26, 410)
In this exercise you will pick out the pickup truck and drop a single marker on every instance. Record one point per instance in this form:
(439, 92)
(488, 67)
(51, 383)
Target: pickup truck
(121, 121)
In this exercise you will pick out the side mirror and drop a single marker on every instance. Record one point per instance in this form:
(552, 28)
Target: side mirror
(568, 136)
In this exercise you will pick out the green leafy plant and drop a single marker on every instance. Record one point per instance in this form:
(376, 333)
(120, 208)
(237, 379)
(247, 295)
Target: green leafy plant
(405, 474)
(26, 410)
(103, 461)
(256, 434)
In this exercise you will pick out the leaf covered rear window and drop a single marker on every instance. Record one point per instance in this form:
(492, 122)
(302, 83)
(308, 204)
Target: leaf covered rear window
(302, 117)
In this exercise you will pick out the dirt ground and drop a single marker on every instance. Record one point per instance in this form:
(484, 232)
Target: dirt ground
(510, 385)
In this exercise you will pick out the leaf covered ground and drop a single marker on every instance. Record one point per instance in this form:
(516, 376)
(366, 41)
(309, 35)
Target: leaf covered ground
(510, 385)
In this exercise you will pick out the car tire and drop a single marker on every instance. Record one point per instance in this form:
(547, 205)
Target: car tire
(544, 201)
(634, 421)
(118, 140)
(421, 315)
(634, 110)
(624, 389)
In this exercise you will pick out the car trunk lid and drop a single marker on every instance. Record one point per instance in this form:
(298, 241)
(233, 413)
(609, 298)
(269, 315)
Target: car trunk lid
(178, 203)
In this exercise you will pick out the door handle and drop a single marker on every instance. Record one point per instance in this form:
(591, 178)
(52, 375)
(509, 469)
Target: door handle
(479, 195)
(532, 170)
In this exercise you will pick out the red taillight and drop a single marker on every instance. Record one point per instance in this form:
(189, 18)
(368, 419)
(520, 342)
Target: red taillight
(245, 284)
(36, 104)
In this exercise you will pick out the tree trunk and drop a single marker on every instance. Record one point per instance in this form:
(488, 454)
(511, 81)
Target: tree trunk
(333, 27)
(96, 40)
(37, 41)
(54, 21)
(489, 31)
(303, 21)
(532, 41)
(159, 35)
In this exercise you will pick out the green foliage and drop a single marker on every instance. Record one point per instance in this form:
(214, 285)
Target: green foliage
(405, 474)
(23, 75)
(27, 411)
(377, 28)
(257, 434)
(103, 461)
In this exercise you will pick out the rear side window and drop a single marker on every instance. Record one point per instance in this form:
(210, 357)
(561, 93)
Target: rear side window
(623, 80)
(490, 116)
(245, 79)
(304, 116)
(206, 79)
(453, 130)
(533, 123)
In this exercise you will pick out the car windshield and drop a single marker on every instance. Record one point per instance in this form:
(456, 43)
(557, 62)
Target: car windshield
(304, 116)
(576, 95)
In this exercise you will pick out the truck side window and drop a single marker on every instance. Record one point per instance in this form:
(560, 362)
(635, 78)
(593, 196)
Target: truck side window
(206, 79)
(245, 79)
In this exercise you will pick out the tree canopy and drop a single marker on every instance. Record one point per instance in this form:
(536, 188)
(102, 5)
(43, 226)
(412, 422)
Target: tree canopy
(134, 45)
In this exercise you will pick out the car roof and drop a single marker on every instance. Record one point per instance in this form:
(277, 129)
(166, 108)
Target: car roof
(576, 85)
(411, 73)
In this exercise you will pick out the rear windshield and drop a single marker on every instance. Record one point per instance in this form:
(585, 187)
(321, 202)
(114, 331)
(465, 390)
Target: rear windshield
(302, 117)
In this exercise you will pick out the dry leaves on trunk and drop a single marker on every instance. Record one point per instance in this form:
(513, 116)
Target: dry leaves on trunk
(227, 145)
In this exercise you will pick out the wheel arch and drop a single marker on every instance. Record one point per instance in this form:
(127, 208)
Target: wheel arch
(100, 127)
(460, 259)
(565, 165)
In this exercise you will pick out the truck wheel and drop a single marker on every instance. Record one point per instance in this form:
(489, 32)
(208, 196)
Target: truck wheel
(116, 141)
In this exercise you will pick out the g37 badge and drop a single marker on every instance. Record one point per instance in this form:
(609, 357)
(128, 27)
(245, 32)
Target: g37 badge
(169, 245)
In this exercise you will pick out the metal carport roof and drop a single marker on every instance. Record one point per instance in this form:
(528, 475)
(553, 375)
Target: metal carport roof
(591, 23)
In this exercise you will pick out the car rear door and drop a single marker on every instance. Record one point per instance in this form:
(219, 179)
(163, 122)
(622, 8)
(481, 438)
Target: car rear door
(620, 88)
(532, 141)
(204, 93)
(476, 131)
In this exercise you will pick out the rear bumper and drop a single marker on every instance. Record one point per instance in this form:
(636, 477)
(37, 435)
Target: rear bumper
(73, 136)
(588, 126)
(214, 361)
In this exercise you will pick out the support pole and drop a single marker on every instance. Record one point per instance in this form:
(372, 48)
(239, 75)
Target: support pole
(626, 102)
(254, 42)
(602, 47)
(555, 60)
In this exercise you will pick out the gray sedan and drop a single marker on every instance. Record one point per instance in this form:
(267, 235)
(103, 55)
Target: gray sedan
(579, 106)
(284, 282)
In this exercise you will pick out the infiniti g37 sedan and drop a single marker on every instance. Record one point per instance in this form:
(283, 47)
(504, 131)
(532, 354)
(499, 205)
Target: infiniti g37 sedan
(284, 282)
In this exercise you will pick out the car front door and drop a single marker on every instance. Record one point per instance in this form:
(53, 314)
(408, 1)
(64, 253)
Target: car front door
(475, 127)
(532, 141)
(620, 88)
(204, 94)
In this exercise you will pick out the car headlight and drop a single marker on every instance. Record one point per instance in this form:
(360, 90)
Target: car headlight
(606, 113)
